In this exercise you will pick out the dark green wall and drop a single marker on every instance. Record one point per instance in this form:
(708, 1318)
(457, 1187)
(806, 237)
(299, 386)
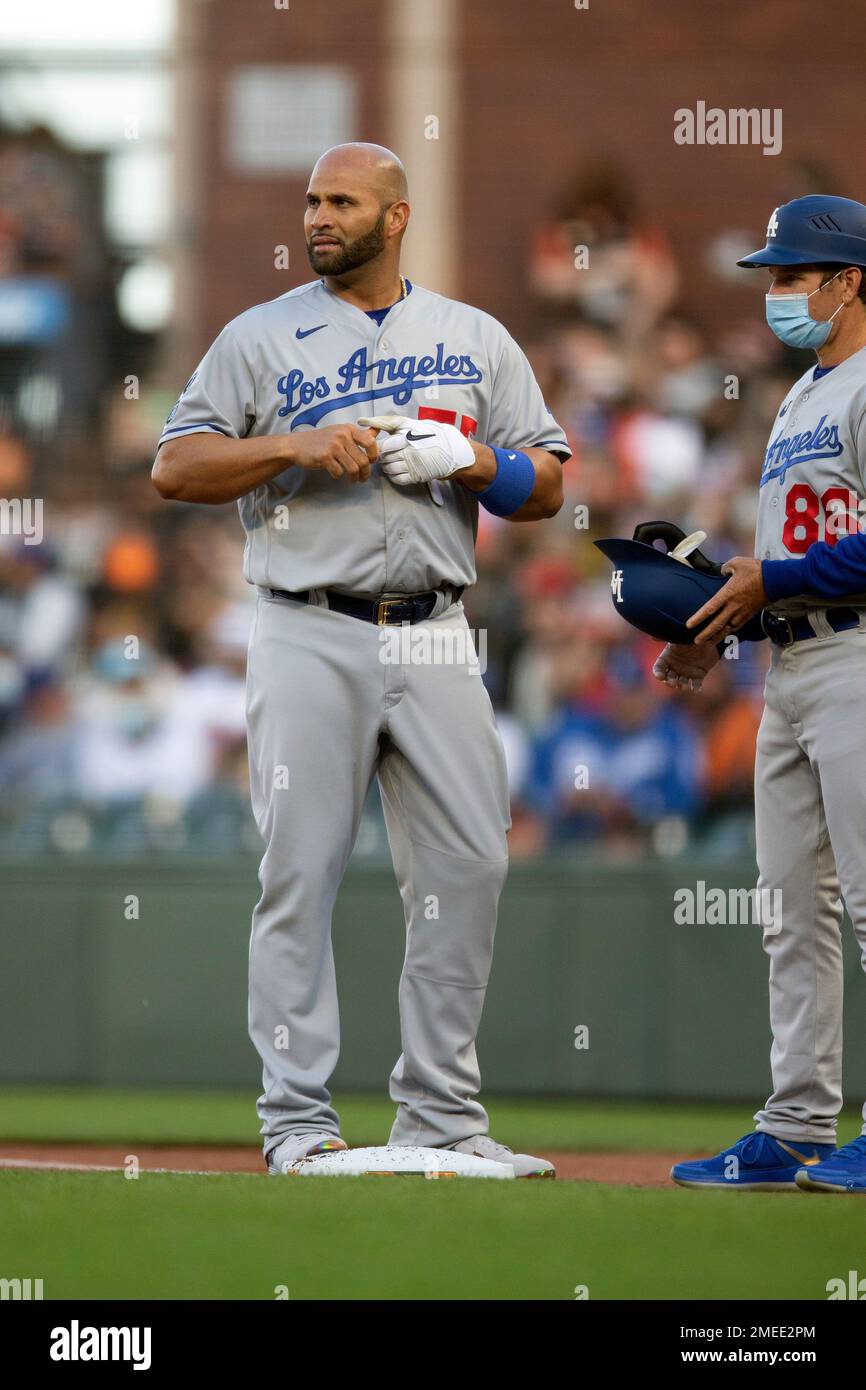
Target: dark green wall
(671, 1010)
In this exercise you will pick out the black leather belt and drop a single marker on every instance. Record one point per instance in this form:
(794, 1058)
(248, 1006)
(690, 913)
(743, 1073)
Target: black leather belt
(386, 612)
(785, 631)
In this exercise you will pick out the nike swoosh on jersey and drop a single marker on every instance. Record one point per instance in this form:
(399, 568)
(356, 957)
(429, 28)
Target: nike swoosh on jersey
(801, 1158)
(414, 438)
(784, 410)
(305, 332)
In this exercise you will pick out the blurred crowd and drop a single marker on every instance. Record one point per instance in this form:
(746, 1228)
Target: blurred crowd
(123, 634)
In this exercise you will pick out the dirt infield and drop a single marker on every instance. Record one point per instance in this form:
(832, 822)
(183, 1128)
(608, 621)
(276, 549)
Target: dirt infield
(632, 1169)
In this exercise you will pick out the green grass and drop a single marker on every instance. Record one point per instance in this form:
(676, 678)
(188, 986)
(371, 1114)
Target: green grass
(103, 1236)
(90, 1115)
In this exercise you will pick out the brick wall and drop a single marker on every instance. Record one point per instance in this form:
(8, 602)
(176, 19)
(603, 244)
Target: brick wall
(240, 218)
(549, 86)
(544, 87)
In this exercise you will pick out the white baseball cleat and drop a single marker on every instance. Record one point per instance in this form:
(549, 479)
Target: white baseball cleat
(295, 1147)
(524, 1165)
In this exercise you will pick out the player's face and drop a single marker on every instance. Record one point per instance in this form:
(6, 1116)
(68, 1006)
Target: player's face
(797, 279)
(344, 230)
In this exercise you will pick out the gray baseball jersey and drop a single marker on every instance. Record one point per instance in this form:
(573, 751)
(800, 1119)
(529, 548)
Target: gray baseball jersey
(310, 359)
(814, 469)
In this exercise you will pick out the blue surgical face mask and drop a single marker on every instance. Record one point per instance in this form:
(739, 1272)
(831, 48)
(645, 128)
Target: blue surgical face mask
(788, 316)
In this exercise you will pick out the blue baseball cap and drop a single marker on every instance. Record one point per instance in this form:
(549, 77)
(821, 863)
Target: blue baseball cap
(815, 230)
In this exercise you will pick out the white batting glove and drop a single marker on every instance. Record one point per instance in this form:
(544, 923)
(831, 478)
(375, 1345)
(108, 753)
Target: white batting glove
(687, 545)
(417, 451)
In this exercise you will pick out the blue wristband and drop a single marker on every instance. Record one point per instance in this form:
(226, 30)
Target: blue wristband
(513, 484)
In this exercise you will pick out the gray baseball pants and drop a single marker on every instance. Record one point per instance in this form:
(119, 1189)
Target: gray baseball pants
(325, 714)
(810, 806)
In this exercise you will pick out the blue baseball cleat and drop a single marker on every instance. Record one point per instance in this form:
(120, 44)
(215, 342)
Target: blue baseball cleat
(843, 1171)
(756, 1163)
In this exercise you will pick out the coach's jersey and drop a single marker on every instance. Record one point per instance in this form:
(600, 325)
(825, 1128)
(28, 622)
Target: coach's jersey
(310, 359)
(813, 483)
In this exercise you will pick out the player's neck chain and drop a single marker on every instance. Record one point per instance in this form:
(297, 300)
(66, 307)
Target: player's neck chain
(404, 289)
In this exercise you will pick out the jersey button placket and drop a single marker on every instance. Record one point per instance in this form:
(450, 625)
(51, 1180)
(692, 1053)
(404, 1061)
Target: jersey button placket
(398, 534)
(383, 407)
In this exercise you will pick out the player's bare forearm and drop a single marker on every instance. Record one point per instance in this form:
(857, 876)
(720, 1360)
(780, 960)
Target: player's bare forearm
(546, 497)
(209, 468)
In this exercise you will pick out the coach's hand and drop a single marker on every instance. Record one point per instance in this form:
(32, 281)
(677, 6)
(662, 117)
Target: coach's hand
(683, 666)
(736, 602)
(344, 451)
(417, 451)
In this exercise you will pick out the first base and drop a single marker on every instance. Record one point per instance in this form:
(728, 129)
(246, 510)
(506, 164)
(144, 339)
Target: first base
(395, 1160)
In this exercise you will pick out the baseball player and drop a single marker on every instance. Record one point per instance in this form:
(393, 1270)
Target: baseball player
(360, 421)
(809, 582)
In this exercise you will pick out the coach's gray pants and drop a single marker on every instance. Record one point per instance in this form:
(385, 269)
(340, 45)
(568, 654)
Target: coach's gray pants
(325, 714)
(810, 805)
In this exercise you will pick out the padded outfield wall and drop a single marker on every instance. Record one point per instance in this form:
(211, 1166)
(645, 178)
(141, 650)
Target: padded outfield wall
(585, 955)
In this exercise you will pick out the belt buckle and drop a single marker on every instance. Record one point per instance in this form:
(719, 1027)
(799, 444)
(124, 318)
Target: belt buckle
(777, 628)
(383, 608)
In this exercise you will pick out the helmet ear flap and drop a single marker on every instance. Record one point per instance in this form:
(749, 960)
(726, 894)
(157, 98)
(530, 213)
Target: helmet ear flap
(649, 531)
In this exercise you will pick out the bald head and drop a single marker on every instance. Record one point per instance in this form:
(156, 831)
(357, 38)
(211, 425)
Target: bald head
(356, 209)
(371, 165)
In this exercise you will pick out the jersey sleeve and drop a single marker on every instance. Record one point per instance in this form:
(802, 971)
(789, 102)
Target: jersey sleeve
(858, 433)
(219, 397)
(519, 418)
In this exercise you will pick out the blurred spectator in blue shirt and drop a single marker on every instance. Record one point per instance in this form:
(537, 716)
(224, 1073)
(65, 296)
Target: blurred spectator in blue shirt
(618, 767)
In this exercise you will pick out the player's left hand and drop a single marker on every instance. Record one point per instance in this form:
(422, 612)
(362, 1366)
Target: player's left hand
(736, 602)
(417, 451)
(683, 666)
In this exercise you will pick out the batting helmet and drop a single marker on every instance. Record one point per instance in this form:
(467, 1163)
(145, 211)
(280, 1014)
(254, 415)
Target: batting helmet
(816, 230)
(656, 591)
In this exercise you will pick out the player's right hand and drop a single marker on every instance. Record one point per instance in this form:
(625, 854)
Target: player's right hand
(683, 666)
(419, 451)
(344, 451)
